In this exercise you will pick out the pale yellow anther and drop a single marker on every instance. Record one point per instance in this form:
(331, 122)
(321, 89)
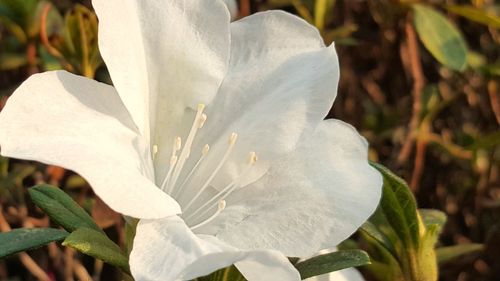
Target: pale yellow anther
(233, 138)
(205, 149)
(155, 149)
(252, 157)
(222, 205)
(173, 160)
(201, 106)
(202, 120)
(178, 143)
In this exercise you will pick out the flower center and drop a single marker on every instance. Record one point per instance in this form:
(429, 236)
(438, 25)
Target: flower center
(199, 209)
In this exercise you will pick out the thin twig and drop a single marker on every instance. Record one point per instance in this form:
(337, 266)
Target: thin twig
(45, 39)
(418, 85)
(81, 273)
(68, 269)
(495, 102)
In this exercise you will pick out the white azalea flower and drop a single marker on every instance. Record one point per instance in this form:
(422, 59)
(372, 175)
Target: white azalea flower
(212, 135)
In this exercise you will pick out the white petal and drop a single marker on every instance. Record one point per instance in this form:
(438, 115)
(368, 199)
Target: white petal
(281, 83)
(163, 55)
(62, 119)
(232, 6)
(166, 249)
(311, 200)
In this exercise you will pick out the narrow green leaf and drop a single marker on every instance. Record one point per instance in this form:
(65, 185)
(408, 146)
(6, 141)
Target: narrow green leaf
(399, 207)
(23, 239)
(474, 14)
(371, 230)
(334, 261)
(61, 208)
(446, 254)
(440, 37)
(384, 266)
(98, 245)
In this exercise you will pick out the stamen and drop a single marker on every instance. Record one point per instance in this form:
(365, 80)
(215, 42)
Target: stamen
(204, 152)
(221, 206)
(232, 141)
(198, 120)
(178, 143)
(154, 150)
(173, 161)
(226, 190)
(202, 121)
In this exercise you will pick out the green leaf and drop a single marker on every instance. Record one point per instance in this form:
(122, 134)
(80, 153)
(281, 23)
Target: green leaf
(443, 40)
(334, 261)
(446, 254)
(399, 207)
(474, 14)
(98, 245)
(23, 239)
(10, 61)
(433, 217)
(371, 230)
(61, 208)
(384, 266)
(226, 274)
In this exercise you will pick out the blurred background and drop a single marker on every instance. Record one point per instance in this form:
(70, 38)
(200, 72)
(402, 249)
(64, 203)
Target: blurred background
(419, 79)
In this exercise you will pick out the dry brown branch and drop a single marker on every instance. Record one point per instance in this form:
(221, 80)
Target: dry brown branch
(80, 272)
(418, 86)
(244, 8)
(495, 102)
(45, 39)
(373, 90)
(68, 269)
(418, 168)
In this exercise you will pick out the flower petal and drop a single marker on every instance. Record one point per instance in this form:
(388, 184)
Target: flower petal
(281, 83)
(163, 54)
(313, 199)
(166, 249)
(232, 6)
(62, 119)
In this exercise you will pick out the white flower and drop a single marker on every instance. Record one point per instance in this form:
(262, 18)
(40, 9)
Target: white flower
(195, 101)
(232, 6)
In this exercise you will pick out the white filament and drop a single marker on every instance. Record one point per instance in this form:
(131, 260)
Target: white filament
(232, 141)
(221, 206)
(177, 162)
(199, 121)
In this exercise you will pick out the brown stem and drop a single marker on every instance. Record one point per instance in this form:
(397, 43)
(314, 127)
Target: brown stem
(244, 8)
(68, 257)
(31, 57)
(418, 167)
(418, 85)
(495, 102)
